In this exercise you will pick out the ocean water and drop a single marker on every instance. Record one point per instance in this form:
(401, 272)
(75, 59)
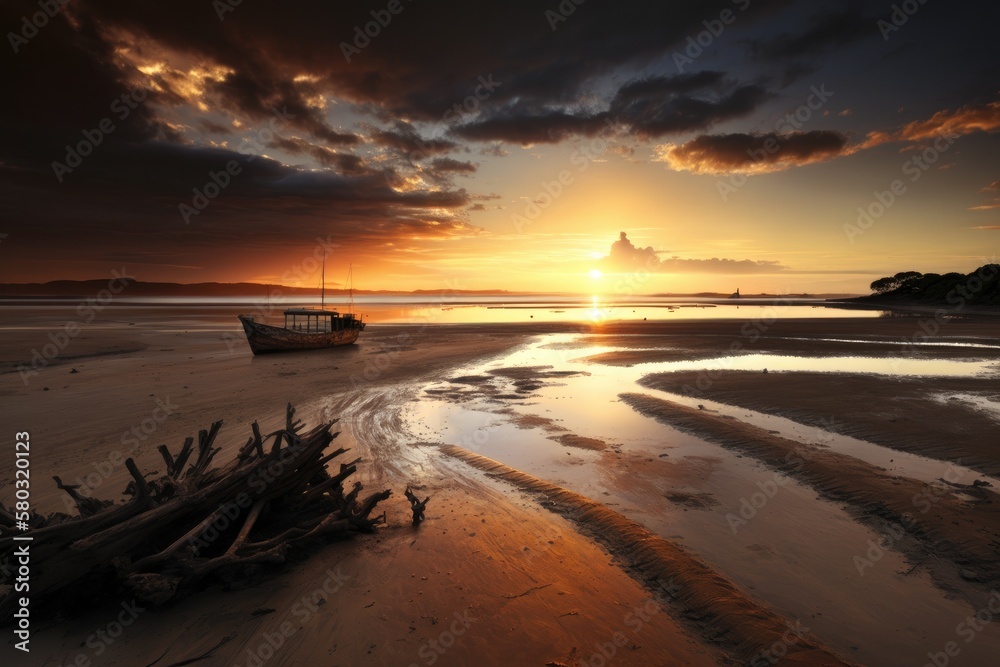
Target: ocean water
(447, 308)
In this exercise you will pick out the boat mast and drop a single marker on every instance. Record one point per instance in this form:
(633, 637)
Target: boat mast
(350, 287)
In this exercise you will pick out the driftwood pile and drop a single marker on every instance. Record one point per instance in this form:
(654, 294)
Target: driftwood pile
(195, 522)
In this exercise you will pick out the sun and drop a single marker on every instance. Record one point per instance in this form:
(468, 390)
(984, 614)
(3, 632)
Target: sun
(596, 274)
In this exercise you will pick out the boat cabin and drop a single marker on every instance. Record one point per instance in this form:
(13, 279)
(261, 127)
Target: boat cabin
(308, 320)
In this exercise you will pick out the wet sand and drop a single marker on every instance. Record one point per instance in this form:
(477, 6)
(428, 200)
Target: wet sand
(491, 550)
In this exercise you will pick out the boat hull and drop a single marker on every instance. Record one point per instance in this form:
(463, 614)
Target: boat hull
(264, 338)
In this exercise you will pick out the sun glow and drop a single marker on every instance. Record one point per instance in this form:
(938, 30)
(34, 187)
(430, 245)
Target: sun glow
(596, 315)
(596, 274)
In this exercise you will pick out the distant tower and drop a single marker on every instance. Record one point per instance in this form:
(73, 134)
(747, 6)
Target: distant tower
(736, 294)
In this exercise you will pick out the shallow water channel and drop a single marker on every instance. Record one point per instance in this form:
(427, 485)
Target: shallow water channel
(765, 531)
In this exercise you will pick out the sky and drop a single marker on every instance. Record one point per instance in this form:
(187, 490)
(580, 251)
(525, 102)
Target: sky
(582, 146)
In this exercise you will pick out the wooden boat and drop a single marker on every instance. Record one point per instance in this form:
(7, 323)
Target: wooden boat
(305, 329)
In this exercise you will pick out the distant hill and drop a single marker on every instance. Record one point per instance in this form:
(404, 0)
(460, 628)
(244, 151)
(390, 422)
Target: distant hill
(81, 288)
(762, 295)
(978, 288)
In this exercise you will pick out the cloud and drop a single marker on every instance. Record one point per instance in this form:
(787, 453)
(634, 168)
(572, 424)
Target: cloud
(214, 128)
(657, 107)
(344, 163)
(758, 153)
(959, 122)
(370, 130)
(442, 170)
(543, 126)
(751, 153)
(404, 138)
(993, 188)
(646, 108)
(825, 33)
(451, 165)
(624, 257)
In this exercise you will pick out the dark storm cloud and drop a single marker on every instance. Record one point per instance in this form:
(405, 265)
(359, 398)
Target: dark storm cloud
(265, 202)
(443, 170)
(753, 153)
(344, 163)
(373, 117)
(427, 59)
(405, 139)
(67, 77)
(825, 33)
(64, 81)
(797, 54)
(262, 97)
(661, 111)
(647, 108)
(546, 126)
(214, 128)
(451, 165)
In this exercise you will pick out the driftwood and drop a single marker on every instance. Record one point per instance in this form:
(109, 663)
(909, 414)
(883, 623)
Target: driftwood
(194, 521)
(418, 506)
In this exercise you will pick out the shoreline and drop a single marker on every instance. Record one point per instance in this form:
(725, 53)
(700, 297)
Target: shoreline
(486, 549)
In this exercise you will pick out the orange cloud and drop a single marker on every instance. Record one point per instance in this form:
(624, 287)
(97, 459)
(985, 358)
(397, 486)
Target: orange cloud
(759, 153)
(751, 153)
(989, 189)
(966, 120)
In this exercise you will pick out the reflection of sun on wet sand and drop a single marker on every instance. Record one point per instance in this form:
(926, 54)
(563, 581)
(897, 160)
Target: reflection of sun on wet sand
(565, 527)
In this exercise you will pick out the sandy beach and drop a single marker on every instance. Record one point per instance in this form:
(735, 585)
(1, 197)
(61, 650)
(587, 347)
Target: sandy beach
(597, 497)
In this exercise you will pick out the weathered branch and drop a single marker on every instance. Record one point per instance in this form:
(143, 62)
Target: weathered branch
(416, 505)
(184, 525)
